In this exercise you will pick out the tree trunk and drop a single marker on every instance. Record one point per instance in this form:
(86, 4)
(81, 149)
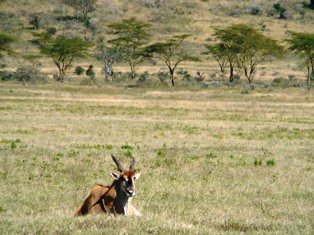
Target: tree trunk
(231, 76)
(107, 71)
(309, 76)
(132, 68)
(61, 72)
(222, 67)
(171, 76)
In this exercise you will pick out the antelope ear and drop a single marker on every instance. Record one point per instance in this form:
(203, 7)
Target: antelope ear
(137, 176)
(114, 175)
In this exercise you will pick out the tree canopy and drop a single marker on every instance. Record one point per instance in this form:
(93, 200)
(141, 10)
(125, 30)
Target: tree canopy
(131, 35)
(63, 51)
(245, 46)
(303, 45)
(171, 52)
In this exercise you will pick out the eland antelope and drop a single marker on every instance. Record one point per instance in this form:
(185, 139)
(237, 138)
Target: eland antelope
(114, 199)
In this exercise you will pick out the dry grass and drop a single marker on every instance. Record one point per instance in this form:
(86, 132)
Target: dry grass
(212, 161)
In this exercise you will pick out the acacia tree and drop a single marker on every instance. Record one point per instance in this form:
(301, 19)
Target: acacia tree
(246, 47)
(83, 7)
(219, 54)
(254, 49)
(225, 51)
(131, 35)
(303, 45)
(63, 51)
(171, 52)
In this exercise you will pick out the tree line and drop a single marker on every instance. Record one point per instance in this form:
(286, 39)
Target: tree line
(236, 47)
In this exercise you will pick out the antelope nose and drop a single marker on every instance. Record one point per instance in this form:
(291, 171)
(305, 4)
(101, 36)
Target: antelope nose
(130, 192)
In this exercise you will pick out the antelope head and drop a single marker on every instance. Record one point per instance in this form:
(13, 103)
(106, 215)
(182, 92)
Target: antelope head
(125, 185)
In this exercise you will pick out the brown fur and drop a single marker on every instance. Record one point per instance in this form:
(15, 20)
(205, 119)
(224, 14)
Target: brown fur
(100, 200)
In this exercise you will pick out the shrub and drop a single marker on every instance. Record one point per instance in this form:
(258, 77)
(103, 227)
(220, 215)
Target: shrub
(34, 20)
(143, 77)
(79, 70)
(6, 75)
(280, 80)
(254, 10)
(163, 77)
(281, 10)
(28, 74)
(234, 12)
(51, 31)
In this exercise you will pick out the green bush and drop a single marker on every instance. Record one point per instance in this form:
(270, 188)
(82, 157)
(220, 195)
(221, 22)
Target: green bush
(79, 70)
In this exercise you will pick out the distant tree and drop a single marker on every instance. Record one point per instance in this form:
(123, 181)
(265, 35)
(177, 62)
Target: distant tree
(226, 50)
(246, 47)
(63, 51)
(171, 52)
(83, 7)
(303, 45)
(108, 56)
(218, 52)
(5, 40)
(131, 37)
(254, 49)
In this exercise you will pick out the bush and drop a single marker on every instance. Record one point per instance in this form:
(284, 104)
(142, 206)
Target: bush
(6, 75)
(163, 77)
(51, 31)
(143, 78)
(23, 74)
(234, 12)
(254, 10)
(79, 70)
(28, 74)
(34, 20)
(281, 10)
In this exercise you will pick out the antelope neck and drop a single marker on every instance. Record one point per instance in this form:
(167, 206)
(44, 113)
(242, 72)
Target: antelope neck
(122, 200)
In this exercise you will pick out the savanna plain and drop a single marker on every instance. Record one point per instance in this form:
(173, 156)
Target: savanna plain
(213, 161)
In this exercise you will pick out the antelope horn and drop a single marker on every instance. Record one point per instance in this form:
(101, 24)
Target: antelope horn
(132, 164)
(118, 163)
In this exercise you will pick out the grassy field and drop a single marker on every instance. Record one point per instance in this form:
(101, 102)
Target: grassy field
(212, 160)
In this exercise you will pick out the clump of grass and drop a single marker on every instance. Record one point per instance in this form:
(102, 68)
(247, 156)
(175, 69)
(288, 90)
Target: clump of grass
(271, 162)
(128, 149)
(258, 162)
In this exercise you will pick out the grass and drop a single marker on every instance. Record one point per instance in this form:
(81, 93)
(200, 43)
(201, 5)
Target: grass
(212, 160)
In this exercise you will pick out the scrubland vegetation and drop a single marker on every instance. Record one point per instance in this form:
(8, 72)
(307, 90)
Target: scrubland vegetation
(213, 98)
